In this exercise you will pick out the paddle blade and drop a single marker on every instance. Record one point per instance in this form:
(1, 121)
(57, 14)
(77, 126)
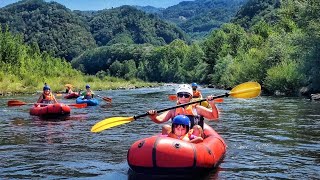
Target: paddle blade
(79, 105)
(16, 103)
(218, 100)
(172, 97)
(107, 99)
(110, 122)
(246, 90)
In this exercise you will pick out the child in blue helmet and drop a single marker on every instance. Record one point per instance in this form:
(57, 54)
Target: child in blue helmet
(180, 130)
(88, 94)
(47, 97)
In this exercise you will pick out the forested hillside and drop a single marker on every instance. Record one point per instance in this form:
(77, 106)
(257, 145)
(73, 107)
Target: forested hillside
(126, 24)
(255, 11)
(66, 34)
(52, 26)
(275, 43)
(199, 17)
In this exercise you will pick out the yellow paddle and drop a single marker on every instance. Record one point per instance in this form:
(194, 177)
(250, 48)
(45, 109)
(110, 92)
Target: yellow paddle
(244, 90)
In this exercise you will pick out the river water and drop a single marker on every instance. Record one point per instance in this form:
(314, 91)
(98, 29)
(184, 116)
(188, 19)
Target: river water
(267, 138)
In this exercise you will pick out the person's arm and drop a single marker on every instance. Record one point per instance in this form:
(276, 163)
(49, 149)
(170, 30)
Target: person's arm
(210, 114)
(54, 99)
(197, 140)
(200, 95)
(92, 94)
(159, 118)
(40, 99)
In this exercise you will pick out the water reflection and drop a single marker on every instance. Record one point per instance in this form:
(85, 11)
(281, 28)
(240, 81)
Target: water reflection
(267, 138)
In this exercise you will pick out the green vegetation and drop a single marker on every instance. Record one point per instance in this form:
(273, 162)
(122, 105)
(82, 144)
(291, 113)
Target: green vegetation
(273, 42)
(25, 69)
(52, 26)
(200, 17)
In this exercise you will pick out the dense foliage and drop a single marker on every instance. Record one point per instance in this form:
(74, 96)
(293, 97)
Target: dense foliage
(66, 34)
(128, 25)
(55, 28)
(273, 42)
(20, 62)
(200, 17)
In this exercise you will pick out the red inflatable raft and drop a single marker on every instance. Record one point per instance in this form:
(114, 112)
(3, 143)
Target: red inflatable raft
(57, 109)
(72, 95)
(163, 155)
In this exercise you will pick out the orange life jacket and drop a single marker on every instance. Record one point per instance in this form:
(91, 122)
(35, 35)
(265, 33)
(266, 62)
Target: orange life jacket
(191, 112)
(184, 137)
(47, 98)
(196, 94)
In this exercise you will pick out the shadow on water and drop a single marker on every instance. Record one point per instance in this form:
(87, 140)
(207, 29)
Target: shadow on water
(213, 174)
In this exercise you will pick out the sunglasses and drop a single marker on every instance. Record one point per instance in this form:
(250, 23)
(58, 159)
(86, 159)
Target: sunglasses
(177, 125)
(180, 95)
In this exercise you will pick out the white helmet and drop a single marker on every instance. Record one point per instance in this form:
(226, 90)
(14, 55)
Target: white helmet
(186, 88)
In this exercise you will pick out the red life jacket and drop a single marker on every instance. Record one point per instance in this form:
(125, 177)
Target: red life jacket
(196, 94)
(191, 112)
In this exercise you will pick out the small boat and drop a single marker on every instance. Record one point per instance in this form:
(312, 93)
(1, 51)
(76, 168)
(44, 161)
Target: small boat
(90, 102)
(164, 155)
(72, 95)
(58, 109)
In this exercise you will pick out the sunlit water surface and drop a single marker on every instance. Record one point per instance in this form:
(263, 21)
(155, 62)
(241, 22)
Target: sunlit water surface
(267, 138)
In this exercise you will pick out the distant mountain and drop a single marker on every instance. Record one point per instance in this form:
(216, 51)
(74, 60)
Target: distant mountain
(54, 27)
(199, 17)
(67, 33)
(256, 10)
(150, 9)
(127, 24)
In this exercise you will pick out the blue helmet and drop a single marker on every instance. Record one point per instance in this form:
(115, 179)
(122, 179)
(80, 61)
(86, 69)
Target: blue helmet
(46, 87)
(87, 86)
(194, 84)
(181, 119)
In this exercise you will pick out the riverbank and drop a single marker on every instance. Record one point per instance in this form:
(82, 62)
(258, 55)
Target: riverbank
(58, 85)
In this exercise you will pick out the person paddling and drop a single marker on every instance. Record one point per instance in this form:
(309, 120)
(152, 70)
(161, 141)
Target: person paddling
(47, 97)
(69, 89)
(88, 94)
(195, 112)
(196, 93)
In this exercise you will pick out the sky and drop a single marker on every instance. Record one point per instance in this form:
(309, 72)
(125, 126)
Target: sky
(103, 4)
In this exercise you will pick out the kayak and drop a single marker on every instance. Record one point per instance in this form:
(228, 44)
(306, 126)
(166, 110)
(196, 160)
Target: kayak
(57, 109)
(164, 155)
(90, 102)
(72, 95)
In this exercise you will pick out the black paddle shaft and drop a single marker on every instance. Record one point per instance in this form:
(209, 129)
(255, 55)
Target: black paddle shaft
(181, 105)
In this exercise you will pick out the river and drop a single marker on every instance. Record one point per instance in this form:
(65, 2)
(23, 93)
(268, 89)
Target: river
(267, 137)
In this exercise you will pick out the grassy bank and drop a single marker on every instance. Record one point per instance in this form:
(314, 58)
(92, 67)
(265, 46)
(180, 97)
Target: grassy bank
(11, 85)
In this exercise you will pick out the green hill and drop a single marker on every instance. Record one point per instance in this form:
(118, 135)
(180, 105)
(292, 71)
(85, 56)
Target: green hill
(54, 27)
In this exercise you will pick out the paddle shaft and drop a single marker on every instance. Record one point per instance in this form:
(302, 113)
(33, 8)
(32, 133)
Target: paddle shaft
(181, 105)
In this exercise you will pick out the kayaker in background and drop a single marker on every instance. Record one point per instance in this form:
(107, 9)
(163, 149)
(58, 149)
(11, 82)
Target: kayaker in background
(88, 94)
(69, 89)
(196, 93)
(47, 97)
(195, 112)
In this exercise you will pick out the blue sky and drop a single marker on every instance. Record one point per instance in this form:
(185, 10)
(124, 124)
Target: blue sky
(103, 4)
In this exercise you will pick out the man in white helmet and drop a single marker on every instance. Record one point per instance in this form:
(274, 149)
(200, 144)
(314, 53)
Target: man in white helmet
(195, 112)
